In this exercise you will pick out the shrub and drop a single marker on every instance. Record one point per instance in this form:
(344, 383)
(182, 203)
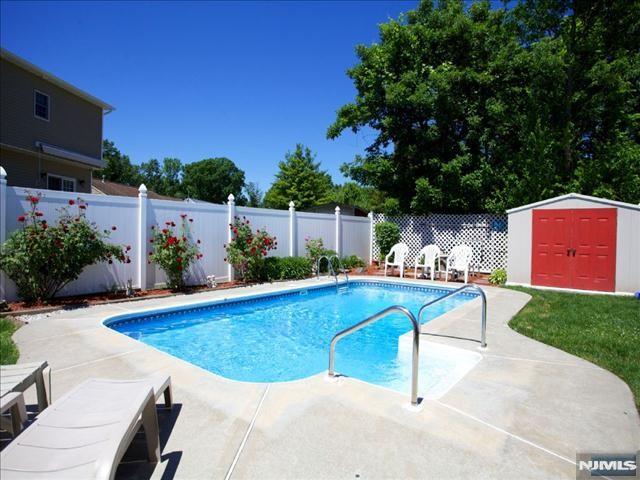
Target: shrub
(387, 235)
(42, 259)
(353, 261)
(174, 251)
(295, 268)
(315, 249)
(286, 268)
(498, 277)
(247, 250)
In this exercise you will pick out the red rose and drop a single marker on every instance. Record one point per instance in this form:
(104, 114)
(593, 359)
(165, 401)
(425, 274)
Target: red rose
(114, 228)
(179, 268)
(128, 247)
(198, 241)
(191, 219)
(82, 207)
(72, 202)
(151, 241)
(183, 215)
(21, 218)
(39, 214)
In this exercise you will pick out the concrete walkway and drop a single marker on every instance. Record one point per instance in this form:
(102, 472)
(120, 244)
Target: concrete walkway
(523, 412)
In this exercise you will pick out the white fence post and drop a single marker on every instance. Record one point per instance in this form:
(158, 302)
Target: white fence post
(3, 225)
(370, 215)
(231, 215)
(338, 232)
(142, 237)
(292, 229)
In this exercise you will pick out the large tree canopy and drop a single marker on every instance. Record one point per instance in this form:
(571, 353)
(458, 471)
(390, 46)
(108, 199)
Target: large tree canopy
(213, 179)
(484, 109)
(299, 179)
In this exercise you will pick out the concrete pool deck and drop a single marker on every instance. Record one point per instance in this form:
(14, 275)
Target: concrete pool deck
(522, 412)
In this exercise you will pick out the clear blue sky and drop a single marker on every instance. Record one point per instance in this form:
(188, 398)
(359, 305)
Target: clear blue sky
(245, 80)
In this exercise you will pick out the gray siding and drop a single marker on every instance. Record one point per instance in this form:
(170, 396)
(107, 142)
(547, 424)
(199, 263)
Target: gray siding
(627, 243)
(74, 123)
(24, 170)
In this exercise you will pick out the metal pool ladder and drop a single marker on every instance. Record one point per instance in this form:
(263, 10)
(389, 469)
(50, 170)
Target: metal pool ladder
(483, 327)
(331, 270)
(416, 332)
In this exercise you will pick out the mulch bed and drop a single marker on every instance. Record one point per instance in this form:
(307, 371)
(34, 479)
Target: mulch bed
(80, 301)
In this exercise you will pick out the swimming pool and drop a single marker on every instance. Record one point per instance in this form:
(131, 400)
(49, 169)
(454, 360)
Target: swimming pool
(285, 336)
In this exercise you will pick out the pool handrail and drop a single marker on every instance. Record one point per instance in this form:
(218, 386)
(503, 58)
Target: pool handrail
(483, 330)
(341, 268)
(329, 269)
(378, 316)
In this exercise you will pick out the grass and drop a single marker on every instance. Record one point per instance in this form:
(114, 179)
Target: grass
(602, 329)
(8, 350)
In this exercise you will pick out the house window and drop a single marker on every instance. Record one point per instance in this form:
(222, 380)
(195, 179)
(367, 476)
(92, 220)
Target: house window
(41, 105)
(65, 184)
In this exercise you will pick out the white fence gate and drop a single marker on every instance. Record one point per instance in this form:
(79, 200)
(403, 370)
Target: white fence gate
(133, 218)
(486, 234)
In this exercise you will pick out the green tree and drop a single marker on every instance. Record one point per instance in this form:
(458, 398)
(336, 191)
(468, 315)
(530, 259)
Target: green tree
(480, 109)
(212, 180)
(118, 167)
(254, 196)
(151, 173)
(299, 179)
(172, 177)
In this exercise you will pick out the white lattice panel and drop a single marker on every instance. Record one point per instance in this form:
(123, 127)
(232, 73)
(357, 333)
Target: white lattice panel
(486, 234)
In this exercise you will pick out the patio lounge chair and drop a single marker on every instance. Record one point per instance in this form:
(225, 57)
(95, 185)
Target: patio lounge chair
(19, 377)
(458, 261)
(399, 252)
(430, 254)
(13, 403)
(85, 433)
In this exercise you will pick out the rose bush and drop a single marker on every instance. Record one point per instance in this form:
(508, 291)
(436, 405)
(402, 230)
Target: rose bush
(42, 259)
(247, 249)
(174, 251)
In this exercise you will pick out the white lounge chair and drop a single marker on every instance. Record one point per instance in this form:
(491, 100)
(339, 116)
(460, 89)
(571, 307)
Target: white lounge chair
(86, 433)
(399, 252)
(13, 403)
(458, 261)
(430, 253)
(19, 377)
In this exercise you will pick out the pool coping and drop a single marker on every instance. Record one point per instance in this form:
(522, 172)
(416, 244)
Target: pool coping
(524, 404)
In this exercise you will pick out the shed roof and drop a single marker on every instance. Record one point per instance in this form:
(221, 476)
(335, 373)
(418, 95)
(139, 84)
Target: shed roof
(577, 196)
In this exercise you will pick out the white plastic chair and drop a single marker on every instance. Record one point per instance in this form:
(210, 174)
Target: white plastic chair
(399, 252)
(458, 261)
(430, 254)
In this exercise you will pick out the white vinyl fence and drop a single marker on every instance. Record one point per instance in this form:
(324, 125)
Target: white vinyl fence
(133, 218)
(485, 233)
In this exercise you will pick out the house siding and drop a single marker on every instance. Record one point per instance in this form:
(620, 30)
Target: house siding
(74, 123)
(29, 170)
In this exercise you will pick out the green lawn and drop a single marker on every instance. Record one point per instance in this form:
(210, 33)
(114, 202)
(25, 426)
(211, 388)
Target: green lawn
(600, 328)
(8, 350)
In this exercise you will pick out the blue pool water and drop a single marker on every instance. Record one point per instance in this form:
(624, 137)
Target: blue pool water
(286, 337)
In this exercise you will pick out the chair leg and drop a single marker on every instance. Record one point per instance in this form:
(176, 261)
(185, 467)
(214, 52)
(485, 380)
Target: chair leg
(168, 397)
(151, 430)
(466, 276)
(18, 417)
(41, 390)
(385, 269)
(446, 274)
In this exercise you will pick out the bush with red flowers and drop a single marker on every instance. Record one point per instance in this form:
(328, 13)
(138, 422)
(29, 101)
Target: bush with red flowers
(174, 251)
(247, 249)
(41, 258)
